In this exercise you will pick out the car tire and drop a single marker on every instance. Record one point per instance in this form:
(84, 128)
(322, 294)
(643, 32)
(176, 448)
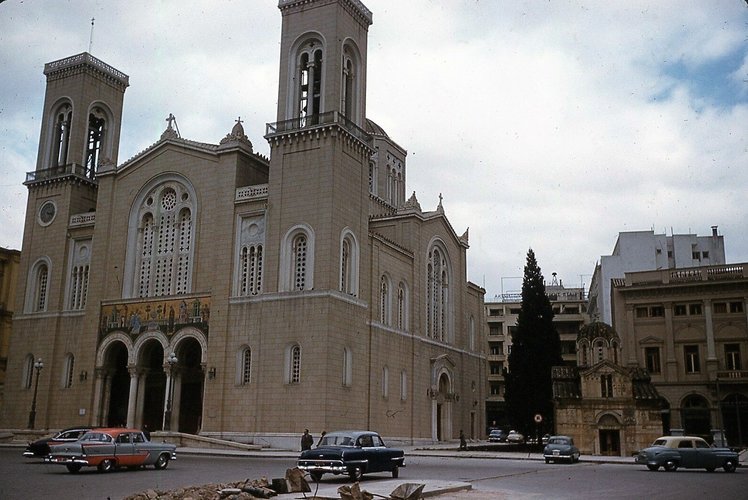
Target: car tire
(316, 476)
(652, 467)
(671, 466)
(547, 460)
(396, 472)
(356, 473)
(162, 462)
(106, 465)
(73, 468)
(730, 466)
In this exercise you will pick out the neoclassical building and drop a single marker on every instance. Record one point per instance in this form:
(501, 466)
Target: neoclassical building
(208, 289)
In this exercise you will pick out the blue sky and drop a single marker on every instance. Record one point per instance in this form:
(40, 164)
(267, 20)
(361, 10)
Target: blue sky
(552, 125)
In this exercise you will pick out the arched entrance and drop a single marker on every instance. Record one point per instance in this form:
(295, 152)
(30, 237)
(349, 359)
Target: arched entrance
(117, 384)
(443, 409)
(609, 435)
(734, 409)
(695, 417)
(153, 384)
(190, 377)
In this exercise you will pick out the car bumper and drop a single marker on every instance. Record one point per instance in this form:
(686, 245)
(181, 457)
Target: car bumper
(66, 460)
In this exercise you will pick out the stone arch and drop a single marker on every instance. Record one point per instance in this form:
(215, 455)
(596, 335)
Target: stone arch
(609, 429)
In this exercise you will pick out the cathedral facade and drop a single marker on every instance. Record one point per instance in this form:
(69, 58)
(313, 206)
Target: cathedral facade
(205, 288)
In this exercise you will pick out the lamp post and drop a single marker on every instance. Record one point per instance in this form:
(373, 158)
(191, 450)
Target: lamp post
(172, 360)
(38, 365)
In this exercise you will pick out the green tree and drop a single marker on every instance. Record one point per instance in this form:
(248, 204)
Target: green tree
(536, 347)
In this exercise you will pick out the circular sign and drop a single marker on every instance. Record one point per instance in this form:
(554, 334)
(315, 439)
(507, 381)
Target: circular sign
(538, 418)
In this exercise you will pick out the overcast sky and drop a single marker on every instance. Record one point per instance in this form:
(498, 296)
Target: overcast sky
(546, 124)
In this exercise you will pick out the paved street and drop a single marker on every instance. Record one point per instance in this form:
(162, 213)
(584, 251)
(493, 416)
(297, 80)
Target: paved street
(490, 475)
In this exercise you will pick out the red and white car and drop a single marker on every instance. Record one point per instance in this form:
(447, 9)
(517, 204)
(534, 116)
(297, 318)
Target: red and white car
(107, 449)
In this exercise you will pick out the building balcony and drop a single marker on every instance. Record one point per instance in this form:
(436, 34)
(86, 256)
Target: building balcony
(317, 122)
(74, 170)
(732, 376)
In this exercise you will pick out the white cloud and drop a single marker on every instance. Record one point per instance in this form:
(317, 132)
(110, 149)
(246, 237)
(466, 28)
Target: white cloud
(546, 124)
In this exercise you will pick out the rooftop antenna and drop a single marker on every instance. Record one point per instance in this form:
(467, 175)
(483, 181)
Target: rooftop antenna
(90, 40)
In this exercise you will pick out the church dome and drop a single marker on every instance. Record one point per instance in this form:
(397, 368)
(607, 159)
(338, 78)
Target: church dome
(596, 330)
(374, 129)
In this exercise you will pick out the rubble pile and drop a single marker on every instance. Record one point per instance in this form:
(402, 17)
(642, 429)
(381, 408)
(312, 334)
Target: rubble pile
(250, 489)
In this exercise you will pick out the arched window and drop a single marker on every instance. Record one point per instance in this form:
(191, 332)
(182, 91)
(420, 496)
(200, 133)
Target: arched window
(28, 372)
(471, 333)
(402, 306)
(350, 105)
(63, 117)
(245, 366)
(297, 259)
(96, 130)
(68, 370)
(384, 300)
(164, 246)
(438, 295)
(349, 263)
(251, 270)
(42, 282)
(599, 352)
(309, 81)
(293, 364)
(251, 240)
(403, 385)
(347, 367)
(385, 381)
(37, 290)
(78, 283)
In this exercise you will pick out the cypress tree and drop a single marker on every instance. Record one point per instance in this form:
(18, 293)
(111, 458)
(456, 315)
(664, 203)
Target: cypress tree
(536, 347)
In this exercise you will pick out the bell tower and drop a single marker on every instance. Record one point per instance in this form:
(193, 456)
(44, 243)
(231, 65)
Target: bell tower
(80, 133)
(318, 188)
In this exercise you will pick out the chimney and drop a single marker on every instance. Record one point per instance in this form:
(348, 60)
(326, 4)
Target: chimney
(714, 231)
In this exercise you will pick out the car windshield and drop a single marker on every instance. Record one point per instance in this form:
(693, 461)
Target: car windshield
(558, 441)
(659, 442)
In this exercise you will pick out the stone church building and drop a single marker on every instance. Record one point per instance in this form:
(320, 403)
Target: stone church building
(205, 288)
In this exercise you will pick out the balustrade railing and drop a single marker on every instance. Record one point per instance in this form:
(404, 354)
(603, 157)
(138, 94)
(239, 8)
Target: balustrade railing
(320, 120)
(75, 169)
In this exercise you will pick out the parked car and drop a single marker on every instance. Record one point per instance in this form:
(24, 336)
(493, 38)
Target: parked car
(351, 452)
(515, 437)
(671, 452)
(497, 436)
(40, 447)
(108, 449)
(560, 448)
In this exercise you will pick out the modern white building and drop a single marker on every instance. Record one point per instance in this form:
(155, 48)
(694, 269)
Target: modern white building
(646, 251)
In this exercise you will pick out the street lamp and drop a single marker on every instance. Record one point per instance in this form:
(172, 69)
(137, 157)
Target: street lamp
(172, 360)
(38, 365)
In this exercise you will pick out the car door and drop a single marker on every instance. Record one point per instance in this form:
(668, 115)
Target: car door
(689, 456)
(125, 450)
(707, 458)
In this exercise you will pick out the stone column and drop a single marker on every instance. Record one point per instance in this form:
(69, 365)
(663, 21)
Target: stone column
(98, 406)
(132, 396)
(711, 350)
(671, 364)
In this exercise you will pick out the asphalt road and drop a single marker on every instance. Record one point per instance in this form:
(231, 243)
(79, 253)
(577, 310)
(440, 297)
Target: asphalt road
(22, 479)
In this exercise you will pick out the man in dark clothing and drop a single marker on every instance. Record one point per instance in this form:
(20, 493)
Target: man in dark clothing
(306, 440)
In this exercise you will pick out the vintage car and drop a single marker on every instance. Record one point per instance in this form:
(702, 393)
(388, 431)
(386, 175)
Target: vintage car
(40, 447)
(497, 436)
(108, 449)
(351, 452)
(515, 437)
(560, 448)
(671, 452)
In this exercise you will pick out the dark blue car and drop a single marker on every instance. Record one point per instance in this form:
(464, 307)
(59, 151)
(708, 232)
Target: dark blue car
(354, 453)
